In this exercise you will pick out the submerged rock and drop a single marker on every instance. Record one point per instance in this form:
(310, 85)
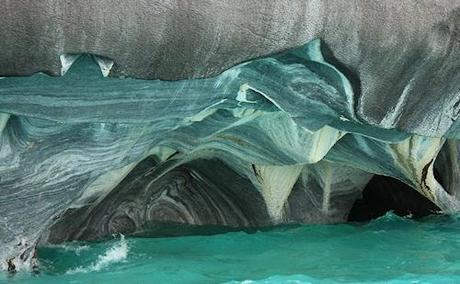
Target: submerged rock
(292, 137)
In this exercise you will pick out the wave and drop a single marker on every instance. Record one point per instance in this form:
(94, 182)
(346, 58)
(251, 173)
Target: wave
(115, 254)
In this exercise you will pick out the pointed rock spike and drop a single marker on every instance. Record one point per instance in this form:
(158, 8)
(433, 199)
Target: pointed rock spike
(276, 183)
(66, 62)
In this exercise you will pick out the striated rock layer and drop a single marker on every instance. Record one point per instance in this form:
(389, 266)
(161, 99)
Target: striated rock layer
(293, 137)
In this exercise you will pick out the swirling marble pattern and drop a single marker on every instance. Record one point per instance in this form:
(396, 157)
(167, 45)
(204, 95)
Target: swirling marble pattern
(208, 193)
(402, 57)
(287, 128)
(203, 192)
(448, 166)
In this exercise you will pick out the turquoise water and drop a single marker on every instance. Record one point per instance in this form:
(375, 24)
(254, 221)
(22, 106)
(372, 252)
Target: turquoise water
(388, 250)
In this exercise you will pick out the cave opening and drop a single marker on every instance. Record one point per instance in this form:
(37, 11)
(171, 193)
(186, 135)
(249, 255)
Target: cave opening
(383, 194)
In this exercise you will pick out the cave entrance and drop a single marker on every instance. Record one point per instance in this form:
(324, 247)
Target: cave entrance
(383, 194)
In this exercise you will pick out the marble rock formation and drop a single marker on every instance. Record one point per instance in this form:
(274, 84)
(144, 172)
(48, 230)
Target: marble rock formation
(120, 117)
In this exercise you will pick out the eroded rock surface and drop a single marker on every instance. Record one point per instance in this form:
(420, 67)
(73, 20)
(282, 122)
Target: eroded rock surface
(329, 94)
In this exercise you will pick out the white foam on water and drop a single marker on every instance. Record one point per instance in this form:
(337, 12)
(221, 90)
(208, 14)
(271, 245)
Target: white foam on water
(117, 253)
(70, 247)
(288, 279)
(78, 249)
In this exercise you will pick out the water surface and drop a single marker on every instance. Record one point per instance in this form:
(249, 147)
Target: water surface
(387, 250)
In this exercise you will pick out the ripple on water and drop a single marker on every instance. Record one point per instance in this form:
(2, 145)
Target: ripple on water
(387, 250)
